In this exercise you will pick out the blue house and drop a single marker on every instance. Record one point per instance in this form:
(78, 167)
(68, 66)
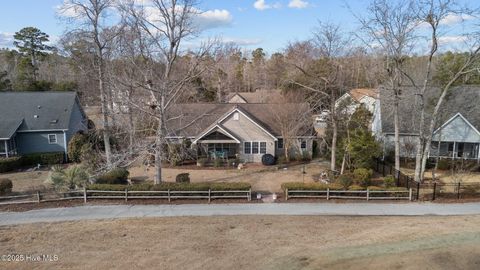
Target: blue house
(38, 122)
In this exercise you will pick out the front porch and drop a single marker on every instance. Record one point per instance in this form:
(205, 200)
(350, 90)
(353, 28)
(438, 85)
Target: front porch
(455, 150)
(8, 148)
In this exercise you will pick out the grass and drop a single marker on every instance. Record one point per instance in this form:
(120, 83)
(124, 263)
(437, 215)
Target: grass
(250, 242)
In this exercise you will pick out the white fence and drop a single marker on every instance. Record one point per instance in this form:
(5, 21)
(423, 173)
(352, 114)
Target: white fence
(350, 194)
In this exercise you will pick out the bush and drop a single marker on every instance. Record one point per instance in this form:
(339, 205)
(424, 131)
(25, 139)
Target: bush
(310, 186)
(5, 185)
(363, 176)
(217, 163)
(345, 180)
(107, 187)
(389, 181)
(230, 186)
(356, 188)
(117, 176)
(183, 178)
(43, 158)
(281, 160)
(75, 147)
(375, 188)
(306, 156)
(268, 160)
(443, 164)
(9, 164)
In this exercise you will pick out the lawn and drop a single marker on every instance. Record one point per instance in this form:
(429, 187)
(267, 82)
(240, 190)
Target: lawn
(250, 242)
(447, 176)
(27, 180)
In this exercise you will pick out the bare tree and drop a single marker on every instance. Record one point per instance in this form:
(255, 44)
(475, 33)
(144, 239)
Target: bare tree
(162, 26)
(90, 15)
(390, 27)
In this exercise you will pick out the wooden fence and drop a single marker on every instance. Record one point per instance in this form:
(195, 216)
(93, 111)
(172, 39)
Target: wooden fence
(351, 194)
(86, 195)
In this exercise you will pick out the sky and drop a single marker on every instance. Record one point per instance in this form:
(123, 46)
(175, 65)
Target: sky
(269, 24)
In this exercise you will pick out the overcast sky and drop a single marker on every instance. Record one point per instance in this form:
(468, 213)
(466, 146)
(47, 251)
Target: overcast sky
(269, 24)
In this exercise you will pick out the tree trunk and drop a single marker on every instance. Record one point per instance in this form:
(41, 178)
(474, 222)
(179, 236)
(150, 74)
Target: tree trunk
(159, 141)
(397, 133)
(104, 106)
(334, 146)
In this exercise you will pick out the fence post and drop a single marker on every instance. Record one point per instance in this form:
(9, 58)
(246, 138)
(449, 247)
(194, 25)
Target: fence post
(168, 195)
(286, 194)
(249, 194)
(410, 194)
(126, 194)
(84, 194)
(434, 190)
(418, 190)
(368, 194)
(328, 194)
(458, 191)
(209, 196)
(38, 196)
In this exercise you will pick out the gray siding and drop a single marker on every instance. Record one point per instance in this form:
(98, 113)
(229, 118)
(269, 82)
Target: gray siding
(77, 121)
(457, 131)
(35, 142)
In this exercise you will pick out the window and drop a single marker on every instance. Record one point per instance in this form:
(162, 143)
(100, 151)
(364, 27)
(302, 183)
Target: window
(280, 143)
(263, 147)
(450, 147)
(254, 147)
(303, 144)
(52, 138)
(236, 116)
(247, 147)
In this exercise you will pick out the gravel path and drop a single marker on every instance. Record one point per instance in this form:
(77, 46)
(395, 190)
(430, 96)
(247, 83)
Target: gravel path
(133, 211)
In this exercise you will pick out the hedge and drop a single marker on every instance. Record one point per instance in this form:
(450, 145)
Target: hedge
(310, 186)
(174, 186)
(117, 176)
(9, 164)
(43, 158)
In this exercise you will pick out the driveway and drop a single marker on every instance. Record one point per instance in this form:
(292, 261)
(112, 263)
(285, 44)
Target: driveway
(277, 209)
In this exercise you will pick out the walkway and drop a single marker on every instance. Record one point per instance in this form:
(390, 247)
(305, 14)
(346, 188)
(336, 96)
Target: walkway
(135, 211)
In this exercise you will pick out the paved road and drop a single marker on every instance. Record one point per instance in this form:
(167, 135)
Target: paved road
(132, 211)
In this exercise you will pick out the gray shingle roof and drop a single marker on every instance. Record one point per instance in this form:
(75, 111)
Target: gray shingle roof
(38, 110)
(460, 99)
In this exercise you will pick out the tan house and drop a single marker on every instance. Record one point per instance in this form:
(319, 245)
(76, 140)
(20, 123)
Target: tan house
(243, 130)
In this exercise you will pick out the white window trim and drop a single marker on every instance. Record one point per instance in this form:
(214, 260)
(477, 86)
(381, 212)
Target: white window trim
(301, 142)
(56, 139)
(258, 148)
(283, 143)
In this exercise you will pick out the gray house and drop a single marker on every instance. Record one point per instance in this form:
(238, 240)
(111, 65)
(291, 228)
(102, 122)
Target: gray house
(456, 133)
(245, 130)
(37, 122)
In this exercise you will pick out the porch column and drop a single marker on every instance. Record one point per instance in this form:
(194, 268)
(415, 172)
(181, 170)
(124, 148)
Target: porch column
(478, 156)
(6, 148)
(454, 150)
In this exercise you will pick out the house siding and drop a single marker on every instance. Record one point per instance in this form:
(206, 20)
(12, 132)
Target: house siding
(246, 131)
(37, 142)
(78, 121)
(457, 131)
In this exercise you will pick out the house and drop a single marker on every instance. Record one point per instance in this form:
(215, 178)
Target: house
(456, 133)
(37, 122)
(244, 130)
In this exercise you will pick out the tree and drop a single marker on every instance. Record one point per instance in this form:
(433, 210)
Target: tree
(90, 15)
(30, 42)
(5, 84)
(70, 178)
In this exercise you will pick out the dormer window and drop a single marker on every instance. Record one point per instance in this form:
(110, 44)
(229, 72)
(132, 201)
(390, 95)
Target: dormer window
(35, 116)
(54, 121)
(236, 116)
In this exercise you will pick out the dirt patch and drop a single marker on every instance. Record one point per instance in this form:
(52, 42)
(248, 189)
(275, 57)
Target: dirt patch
(250, 242)
(27, 180)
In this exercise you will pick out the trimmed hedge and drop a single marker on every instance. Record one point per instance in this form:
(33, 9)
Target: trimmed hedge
(222, 186)
(9, 164)
(43, 158)
(5, 185)
(310, 186)
(117, 176)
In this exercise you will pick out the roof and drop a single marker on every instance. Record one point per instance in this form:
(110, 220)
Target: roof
(9, 127)
(460, 99)
(190, 120)
(36, 110)
(359, 93)
(259, 96)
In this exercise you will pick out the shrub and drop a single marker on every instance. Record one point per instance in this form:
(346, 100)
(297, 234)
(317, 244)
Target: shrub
(375, 188)
(310, 186)
(230, 186)
(268, 160)
(43, 158)
(345, 180)
(5, 185)
(75, 147)
(389, 181)
(356, 188)
(306, 156)
(107, 187)
(218, 163)
(201, 162)
(183, 178)
(117, 176)
(70, 178)
(9, 164)
(363, 176)
(281, 160)
(443, 164)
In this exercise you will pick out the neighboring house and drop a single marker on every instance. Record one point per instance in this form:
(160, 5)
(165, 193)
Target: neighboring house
(247, 131)
(457, 129)
(36, 122)
(259, 96)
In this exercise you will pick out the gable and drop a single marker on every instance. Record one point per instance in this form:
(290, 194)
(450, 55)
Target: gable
(245, 128)
(457, 129)
(237, 99)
